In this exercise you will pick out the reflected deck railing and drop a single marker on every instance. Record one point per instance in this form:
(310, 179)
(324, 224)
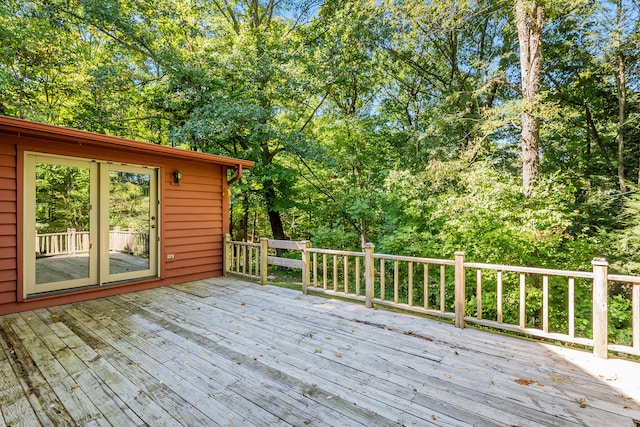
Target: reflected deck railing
(73, 242)
(504, 297)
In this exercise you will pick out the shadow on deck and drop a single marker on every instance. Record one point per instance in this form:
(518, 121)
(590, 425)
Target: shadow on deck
(228, 352)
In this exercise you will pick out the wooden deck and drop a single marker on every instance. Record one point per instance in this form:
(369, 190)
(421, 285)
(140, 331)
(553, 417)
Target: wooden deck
(231, 353)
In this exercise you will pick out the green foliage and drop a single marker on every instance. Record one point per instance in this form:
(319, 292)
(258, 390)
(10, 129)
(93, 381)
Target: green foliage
(62, 198)
(625, 242)
(620, 329)
(484, 214)
(394, 122)
(129, 201)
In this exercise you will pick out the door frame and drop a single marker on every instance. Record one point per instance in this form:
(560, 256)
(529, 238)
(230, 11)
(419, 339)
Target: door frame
(98, 219)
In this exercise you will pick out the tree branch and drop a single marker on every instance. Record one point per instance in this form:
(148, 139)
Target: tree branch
(508, 84)
(315, 110)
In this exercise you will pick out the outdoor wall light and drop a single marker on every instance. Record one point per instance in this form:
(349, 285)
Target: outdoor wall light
(177, 177)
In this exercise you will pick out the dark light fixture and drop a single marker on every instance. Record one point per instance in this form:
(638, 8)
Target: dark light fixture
(177, 177)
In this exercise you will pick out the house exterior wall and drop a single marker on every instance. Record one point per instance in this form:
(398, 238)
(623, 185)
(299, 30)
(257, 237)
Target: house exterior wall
(192, 221)
(8, 224)
(193, 215)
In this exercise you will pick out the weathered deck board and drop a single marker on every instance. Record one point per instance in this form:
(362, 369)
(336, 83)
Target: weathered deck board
(383, 392)
(226, 352)
(455, 361)
(470, 375)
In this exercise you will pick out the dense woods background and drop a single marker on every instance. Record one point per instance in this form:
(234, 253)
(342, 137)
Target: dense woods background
(507, 129)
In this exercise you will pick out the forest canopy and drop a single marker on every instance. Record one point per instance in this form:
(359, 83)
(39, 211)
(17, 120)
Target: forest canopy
(507, 129)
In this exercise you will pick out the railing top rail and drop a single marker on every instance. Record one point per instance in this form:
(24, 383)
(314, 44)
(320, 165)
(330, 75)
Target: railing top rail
(255, 245)
(622, 278)
(531, 270)
(334, 252)
(415, 259)
(287, 244)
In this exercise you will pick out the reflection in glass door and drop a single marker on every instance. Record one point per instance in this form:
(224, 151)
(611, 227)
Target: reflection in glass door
(131, 222)
(59, 227)
(87, 223)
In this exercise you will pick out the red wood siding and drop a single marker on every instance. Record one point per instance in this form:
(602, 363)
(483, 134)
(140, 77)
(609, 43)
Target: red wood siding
(192, 222)
(8, 224)
(192, 214)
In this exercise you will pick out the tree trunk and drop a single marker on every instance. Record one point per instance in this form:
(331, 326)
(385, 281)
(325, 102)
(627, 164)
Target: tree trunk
(275, 219)
(622, 100)
(621, 84)
(529, 16)
(244, 223)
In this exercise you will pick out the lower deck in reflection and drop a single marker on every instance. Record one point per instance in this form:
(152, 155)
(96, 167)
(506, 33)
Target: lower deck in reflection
(69, 267)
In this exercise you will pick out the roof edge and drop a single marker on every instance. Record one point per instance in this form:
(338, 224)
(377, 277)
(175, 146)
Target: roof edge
(29, 128)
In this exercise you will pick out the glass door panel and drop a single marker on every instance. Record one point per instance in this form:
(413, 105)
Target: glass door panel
(58, 224)
(131, 222)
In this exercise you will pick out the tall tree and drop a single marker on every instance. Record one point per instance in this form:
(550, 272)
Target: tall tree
(529, 18)
(621, 85)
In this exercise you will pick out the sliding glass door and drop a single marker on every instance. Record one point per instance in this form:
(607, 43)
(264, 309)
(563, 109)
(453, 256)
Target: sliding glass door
(87, 223)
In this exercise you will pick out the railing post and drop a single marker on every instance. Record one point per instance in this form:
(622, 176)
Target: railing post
(305, 265)
(130, 233)
(264, 260)
(226, 254)
(369, 272)
(460, 289)
(71, 242)
(600, 312)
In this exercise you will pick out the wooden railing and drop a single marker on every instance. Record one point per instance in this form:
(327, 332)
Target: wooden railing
(130, 241)
(505, 297)
(65, 243)
(251, 260)
(73, 242)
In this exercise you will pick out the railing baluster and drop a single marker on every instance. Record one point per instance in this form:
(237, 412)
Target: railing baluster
(545, 304)
(499, 295)
(357, 275)
(572, 308)
(635, 303)
(395, 281)
(244, 259)
(479, 294)
(237, 255)
(382, 274)
(523, 312)
(335, 273)
(315, 270)
(345, 262)
(425, 285)
(410, 283)
(324, 271)
(254, 262)
(442, 289)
